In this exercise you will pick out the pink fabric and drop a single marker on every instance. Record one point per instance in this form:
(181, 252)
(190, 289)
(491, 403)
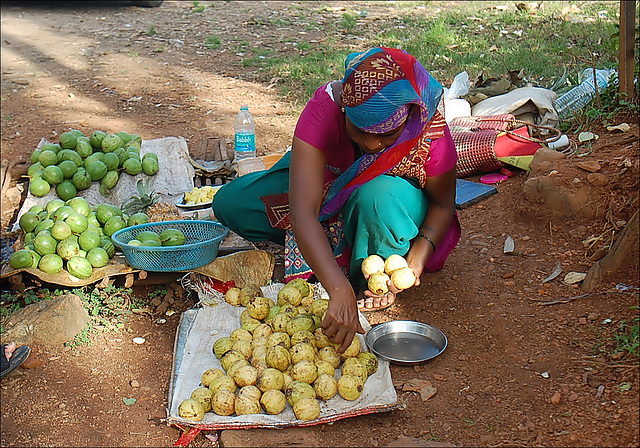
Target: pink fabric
(443, 156)
(322, 125)
(446, 245)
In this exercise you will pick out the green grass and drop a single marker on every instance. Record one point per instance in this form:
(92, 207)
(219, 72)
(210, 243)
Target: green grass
(213, 42)
(197, 7)
(627, 338)
(478, 37)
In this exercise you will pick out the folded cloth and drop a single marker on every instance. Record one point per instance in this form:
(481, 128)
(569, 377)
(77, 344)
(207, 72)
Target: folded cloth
(18, 356)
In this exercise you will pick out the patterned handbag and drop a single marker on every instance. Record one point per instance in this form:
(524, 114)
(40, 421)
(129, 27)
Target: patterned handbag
(482, 140)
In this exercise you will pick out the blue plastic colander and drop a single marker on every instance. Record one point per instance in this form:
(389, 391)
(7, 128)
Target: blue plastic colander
(201, 245)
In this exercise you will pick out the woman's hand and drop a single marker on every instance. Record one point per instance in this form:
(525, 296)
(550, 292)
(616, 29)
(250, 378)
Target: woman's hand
(342, 321)
(441, 191)
(306, 183)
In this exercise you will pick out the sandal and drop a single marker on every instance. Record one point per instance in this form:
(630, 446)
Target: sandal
(18, 356)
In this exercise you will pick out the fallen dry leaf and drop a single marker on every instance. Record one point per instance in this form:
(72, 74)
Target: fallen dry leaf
(624, 127)
(423, 387)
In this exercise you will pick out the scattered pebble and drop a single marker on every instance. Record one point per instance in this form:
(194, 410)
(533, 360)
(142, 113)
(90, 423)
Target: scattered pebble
(134, 384)
(555, 398)
(139, 340)
(545, 374)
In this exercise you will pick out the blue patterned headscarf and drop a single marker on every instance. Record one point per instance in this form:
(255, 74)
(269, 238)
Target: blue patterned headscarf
(381, 89)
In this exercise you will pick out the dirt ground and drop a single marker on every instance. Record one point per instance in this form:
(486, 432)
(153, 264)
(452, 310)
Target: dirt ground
(516, 372)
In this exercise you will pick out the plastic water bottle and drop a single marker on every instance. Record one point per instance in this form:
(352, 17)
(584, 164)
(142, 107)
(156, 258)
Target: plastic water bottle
(578, 97)
(245, 135)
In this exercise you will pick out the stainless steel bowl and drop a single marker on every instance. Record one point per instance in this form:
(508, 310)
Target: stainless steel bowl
(406, 342)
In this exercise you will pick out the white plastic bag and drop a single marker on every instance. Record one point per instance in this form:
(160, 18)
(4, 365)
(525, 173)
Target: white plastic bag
(459, 87)
(454, 105)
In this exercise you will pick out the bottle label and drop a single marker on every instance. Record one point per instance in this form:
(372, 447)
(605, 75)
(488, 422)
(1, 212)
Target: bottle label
(245, 142)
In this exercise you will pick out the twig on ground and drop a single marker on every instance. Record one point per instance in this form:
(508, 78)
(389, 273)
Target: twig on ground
(555, 302)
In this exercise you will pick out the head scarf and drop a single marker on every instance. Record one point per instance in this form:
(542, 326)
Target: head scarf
(379, 88)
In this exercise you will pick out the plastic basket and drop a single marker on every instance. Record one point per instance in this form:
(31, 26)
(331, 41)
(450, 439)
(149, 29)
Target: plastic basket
(201, 245)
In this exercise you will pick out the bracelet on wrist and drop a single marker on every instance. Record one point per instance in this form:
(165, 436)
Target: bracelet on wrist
(428, 239)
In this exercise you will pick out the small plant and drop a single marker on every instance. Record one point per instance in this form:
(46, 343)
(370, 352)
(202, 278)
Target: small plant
(628, 338)
(82, 338)
(151, 31)
(157, 293)
(197, 8)
(348, 21)
(212, 42)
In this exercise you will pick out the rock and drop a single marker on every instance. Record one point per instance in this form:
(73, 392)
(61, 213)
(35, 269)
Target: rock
(558, 199)
(555, 398)
(31, 362)
(597, 179)
(545, 155)
(592, 166)
(49, 322)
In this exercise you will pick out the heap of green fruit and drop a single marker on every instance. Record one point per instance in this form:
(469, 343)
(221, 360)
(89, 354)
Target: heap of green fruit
(149, 238)
(278, 357)
(76, 161)
(70, 235)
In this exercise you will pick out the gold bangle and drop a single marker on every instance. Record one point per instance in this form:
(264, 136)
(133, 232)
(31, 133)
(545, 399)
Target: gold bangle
(428, 239)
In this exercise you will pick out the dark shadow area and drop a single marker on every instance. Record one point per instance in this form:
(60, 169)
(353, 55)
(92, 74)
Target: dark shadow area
(82, 4)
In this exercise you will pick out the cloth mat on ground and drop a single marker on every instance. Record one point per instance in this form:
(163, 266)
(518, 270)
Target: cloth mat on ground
(193, 355)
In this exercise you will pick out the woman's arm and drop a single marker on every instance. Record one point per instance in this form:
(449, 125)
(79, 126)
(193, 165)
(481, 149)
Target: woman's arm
(306, 182)
(441, 192)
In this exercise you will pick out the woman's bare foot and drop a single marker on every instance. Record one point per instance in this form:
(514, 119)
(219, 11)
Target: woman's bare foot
(371, 302)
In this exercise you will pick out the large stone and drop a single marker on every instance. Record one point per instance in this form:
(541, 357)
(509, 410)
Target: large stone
(47, 323)
(557, 198)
